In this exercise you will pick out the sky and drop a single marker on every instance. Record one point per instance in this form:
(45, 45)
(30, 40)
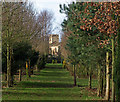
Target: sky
(52, 5)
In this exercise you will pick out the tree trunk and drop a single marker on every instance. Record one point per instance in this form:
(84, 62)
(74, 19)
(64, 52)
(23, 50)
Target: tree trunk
(27, 73)
(11, 73)
(20, 77)
(90, 78)
(32, 71)
(29, 69)
(100, 82)
(74, 71)
(104, 81)
(12, 80)
(5, 77)
(36, 67)
(107, 77)
(113, 61)
(99, 79)
(8, 66)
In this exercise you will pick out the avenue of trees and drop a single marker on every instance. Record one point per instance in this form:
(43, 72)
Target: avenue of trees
(24, 39)
(91, 44)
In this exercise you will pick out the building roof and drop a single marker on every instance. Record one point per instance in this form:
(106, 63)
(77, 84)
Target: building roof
(53, 34)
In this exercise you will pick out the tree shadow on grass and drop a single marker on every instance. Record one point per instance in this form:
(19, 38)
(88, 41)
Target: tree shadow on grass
(45, 85)
(53, 67)
(52, 74)
(67, 94)
(82, 85)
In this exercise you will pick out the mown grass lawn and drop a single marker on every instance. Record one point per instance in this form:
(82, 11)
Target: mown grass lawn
(51, 83)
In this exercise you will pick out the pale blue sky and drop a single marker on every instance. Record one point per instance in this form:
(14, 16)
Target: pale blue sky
(52, 5)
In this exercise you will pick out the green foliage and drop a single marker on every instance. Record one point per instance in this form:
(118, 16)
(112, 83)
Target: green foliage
(41, 62)
(22, 51)
(78, 41)
(117, 68)
(82, 44)
(34, 58)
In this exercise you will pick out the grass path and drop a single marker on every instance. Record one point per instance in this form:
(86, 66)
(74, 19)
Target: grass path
(51, 83)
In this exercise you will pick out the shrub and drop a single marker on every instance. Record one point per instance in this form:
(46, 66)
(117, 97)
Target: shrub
(41, 62)
(53, 61)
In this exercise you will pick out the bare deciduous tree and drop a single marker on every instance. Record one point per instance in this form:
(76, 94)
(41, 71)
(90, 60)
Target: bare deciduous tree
(19, 23)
